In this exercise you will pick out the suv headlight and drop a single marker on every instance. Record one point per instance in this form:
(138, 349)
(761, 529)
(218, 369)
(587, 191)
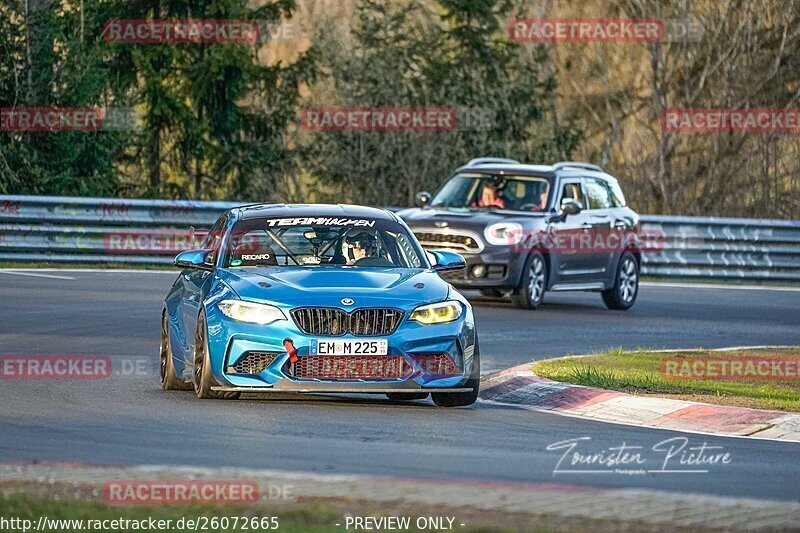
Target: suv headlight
(503, 233)
(251, 312)
(437, 313)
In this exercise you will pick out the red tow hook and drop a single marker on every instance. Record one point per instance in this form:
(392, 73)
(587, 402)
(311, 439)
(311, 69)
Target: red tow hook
(290, 349)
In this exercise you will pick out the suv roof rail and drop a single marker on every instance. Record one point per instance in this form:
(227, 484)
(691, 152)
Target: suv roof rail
(576, 164)
(490, 161)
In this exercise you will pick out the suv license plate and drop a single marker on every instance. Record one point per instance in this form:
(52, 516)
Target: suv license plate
(349, 347)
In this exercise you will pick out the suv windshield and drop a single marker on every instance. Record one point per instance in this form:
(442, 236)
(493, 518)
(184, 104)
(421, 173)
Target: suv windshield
(493, 191)
(321, 241)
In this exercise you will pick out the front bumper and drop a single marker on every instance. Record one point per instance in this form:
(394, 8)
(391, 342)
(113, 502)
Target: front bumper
(339, 388)
(230, 341)
(495, 267)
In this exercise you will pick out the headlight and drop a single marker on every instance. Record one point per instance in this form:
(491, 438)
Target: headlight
(503, 233)
(250, 312)
(438, 313)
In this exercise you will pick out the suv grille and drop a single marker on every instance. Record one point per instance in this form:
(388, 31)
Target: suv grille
(455, 241)
(333, 321)
(352, 367)
(254, 362)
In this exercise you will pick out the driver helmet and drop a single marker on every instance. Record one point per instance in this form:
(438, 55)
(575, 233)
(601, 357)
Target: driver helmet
(361, 240)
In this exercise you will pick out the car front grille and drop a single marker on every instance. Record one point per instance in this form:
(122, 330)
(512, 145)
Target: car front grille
(449, 240)
(440, 364)
(321, 320)
(352, 367)
(254, 362)
(378, 321)
(334, 321)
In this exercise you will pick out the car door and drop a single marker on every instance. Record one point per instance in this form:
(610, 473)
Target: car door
(568, 261)
(194, 280)
(603, 245)
(624, 223)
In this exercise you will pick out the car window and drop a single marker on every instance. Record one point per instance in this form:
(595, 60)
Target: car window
(571, 191)
(598, 195)
(499, 191)
(321, 241)
(213, 239)
(617, 198)
(406, 249)
(213, 233)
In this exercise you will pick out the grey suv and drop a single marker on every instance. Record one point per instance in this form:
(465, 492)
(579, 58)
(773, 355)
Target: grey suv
(527, 229)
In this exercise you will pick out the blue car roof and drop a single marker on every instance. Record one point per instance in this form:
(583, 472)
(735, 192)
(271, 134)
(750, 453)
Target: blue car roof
(314, 210)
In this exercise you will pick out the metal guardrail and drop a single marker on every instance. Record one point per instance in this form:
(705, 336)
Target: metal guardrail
(724, 249)
(42, 229)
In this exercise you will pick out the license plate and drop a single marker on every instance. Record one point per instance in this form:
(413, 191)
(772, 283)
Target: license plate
(349, 347)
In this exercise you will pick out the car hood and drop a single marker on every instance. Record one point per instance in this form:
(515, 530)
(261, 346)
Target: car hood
(326, 286)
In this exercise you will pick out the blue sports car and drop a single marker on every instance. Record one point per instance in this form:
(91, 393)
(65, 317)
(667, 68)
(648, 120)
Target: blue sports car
(318, 299)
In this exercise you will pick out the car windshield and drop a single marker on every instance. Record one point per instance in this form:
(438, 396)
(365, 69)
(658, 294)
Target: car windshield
(494, 191)
(322, 241)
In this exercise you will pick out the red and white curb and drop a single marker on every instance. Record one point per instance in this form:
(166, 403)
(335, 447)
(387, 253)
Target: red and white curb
(520, 386)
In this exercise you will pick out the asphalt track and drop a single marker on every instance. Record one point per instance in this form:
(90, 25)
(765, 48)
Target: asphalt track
(127, 419)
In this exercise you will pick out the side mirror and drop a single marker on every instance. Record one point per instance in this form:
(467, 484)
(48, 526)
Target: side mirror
(570, 206)
(194, 259)
(446, 261)
(423, 199)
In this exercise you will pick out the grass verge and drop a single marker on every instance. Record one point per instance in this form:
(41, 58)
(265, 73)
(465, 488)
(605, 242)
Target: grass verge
(640, 372)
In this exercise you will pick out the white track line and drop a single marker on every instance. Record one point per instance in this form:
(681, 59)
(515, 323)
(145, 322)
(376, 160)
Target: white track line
(35, 275)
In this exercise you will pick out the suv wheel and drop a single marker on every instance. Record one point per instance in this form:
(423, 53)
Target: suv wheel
(530, 293)
(626, 284)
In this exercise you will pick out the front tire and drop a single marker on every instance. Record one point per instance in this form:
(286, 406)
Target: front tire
(169, 381)
(626, 284)
(202, 375)
(461, 399)
(530, 293)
